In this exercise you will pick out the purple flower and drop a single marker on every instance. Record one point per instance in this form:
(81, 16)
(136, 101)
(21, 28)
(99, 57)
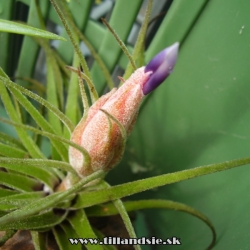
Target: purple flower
(160, 66)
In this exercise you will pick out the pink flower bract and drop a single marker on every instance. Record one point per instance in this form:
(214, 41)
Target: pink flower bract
(101, 137)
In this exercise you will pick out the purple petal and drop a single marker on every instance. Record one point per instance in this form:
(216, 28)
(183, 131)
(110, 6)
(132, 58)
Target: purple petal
(160, 66)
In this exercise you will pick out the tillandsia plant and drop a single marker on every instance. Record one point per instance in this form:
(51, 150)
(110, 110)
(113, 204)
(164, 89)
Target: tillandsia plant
(57, 197)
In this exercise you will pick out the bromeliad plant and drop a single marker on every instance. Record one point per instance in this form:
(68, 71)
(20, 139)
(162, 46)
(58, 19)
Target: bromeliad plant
(57, 194)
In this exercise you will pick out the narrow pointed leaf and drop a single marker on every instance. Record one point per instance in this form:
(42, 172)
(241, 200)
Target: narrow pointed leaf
(90, 84)
(40, 120)
(18, 182)
(139, 45)
(62, 234)
(39, 173)
(39, 240)
(50, 136)
(80, 223)
(11, 151)
(59, 8)
(69, 230)
(121, 44)
(15, 201)
(43, 163)
(48, 201)
(53, 78)
(29, 144)
(19, 28)
(97, 58)
(10, 140)
(42, 101)
(7, 192)
(119, 191)
(41, 221)
(109, 209)
(125, 217)
(72, 102)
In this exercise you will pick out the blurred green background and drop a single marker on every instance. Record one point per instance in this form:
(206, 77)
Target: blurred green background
(199, 116)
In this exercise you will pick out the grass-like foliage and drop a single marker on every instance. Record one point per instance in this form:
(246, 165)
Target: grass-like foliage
(34, 157)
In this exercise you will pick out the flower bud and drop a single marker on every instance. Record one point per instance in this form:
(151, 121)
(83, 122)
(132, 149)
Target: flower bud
(101, 136)
(161, 66)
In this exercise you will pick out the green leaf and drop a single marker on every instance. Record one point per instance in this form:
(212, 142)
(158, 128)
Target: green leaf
(72, 103)
(29, 144)
(62, 234)
(54, 83)
(10, 140)
(91, 87)
(41, 163)
(59, 8)
(125, 217)
(48, 201)
(30, 49)
(139, 45)
(18, 182)
(7, 192)
(42, 101)
(8, 235)
(97, 58)
(80, 12)
(19, 28)
(80, 223)
(122, 190)
(121, 44)
(37, 222)
(109, 50)
(109, 209)
(38, 172)
(10, 151)
(198, 116)
(17, 200)
(3, 74)
(40, 120)
(5, 40)
(101, 236)
(50, 136)
(39, 240)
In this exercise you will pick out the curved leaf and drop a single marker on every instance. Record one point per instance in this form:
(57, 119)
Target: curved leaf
(119, 191)
(29, 144)
(125, 217)
(110, 209)
(39, 99)
(40, 120)
(50, 136)
(48, 201)
(38, 163)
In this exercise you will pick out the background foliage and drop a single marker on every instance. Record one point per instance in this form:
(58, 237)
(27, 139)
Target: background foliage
(198, 116)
